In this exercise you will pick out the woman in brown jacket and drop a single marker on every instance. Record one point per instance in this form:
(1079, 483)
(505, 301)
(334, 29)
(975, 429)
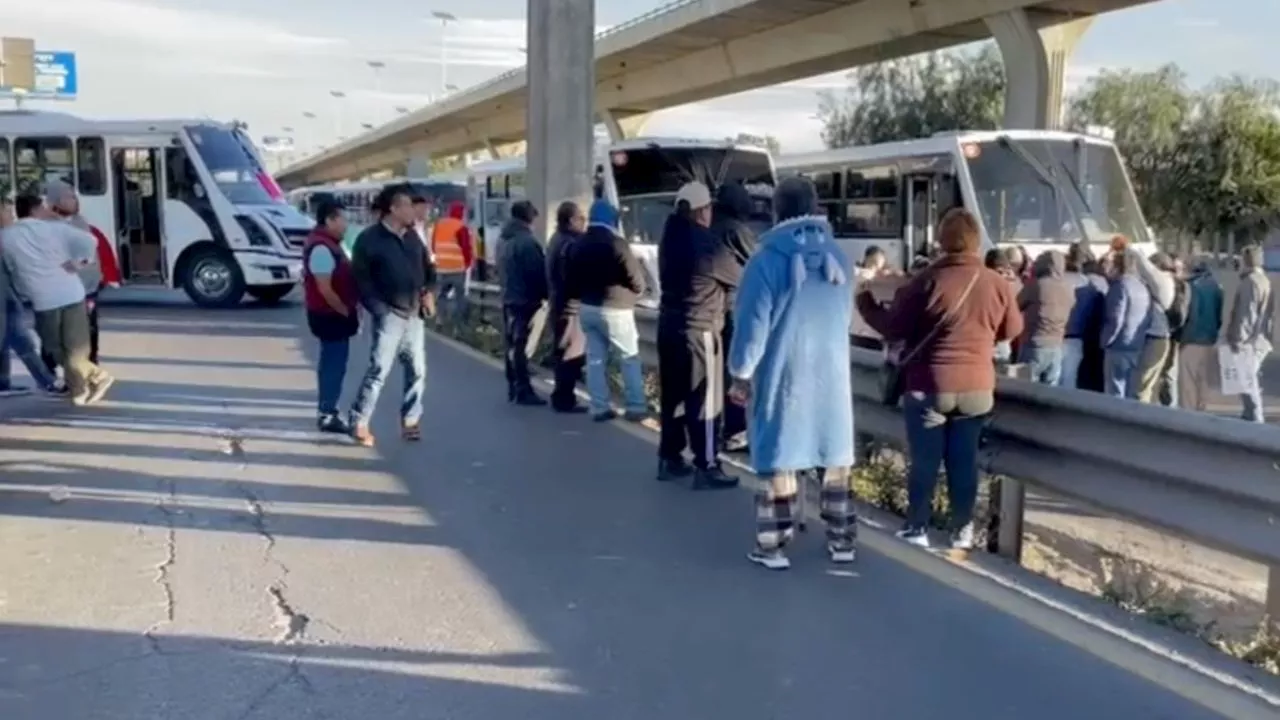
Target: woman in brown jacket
(948, 319)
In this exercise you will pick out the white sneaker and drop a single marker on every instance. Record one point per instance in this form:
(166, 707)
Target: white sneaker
(962, 539)
(914, 536)
(772, 559)
(842, 555)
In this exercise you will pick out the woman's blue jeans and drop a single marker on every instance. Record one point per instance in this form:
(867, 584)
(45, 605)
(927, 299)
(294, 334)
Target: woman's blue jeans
(943, 431)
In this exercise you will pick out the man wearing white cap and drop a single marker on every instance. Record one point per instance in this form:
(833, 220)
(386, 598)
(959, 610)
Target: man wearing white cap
(696, 273)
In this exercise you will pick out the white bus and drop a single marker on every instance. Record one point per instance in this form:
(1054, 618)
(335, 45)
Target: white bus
(1038, 189)
(358, 197)
(639, 176)
(186, 203)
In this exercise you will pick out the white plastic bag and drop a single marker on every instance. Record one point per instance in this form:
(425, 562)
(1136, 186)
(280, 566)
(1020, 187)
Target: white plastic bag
(1238, 371)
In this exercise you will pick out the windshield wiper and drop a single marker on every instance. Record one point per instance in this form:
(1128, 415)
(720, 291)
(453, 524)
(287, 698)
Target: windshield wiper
(1051, 179)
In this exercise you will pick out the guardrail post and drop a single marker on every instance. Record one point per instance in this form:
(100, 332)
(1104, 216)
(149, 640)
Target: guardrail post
(1007, 501)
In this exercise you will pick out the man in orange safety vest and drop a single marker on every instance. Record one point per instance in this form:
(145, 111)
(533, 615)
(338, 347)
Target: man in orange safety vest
(454, 253)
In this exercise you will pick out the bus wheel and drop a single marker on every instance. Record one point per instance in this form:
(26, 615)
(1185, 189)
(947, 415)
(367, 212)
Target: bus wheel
(213, 279)
(270, 294)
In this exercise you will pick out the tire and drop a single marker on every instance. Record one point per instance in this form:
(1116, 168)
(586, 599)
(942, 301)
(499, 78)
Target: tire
(270, 294)
(212, 279)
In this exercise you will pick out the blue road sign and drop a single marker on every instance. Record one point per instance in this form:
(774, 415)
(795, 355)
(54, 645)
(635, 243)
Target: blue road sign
(55, 77)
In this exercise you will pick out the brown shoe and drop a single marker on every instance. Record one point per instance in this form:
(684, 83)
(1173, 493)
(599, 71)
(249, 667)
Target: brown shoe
(362, 436)
(412, 433)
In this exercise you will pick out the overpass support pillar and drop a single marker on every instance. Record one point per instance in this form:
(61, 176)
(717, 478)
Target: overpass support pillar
(418, 165)
(492, 150)
(561, 120)
(1035, 67)
(623, 127)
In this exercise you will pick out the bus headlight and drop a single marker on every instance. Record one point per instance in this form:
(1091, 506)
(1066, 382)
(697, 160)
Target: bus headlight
(253, 231)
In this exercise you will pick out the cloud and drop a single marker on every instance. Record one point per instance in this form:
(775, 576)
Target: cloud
(796, 128)
(1197, 23)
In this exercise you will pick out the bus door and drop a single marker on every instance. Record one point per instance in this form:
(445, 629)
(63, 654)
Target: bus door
(920, 218)
(138, 190)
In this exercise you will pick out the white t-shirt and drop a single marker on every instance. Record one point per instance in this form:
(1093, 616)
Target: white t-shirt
(36, 251)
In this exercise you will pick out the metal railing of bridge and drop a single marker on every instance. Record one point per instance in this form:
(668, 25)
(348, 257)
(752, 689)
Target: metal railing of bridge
(1211, 480)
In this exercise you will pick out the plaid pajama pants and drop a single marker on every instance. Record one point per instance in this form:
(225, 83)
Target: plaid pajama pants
(776, 508)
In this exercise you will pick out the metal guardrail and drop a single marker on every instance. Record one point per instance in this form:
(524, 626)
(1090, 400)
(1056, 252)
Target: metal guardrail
(1212, 480)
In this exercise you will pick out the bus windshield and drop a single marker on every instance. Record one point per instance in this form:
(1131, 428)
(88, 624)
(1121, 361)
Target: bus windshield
(647, 180)
(234, 166)
(1042, 191)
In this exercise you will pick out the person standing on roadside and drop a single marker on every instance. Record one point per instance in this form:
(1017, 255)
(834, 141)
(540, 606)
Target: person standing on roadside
(696, 272)
(396, 281)
(332, 303)
(1046, 305)
(1083, 325)
(104, 273)
(569, 345)
(790, 366)
(45, 256)
(453, 253)
(522, 265)
(1198, 366)
(607, 279)
(1251, 325)
(734, 220)
(15, 336)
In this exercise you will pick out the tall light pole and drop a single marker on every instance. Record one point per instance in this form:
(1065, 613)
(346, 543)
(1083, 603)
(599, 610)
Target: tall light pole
(444, 18)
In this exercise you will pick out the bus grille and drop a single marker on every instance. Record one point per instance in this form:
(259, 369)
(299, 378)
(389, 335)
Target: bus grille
(295, 238)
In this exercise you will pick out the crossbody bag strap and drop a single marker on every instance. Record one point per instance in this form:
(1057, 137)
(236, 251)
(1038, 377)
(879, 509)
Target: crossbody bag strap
(947, 319)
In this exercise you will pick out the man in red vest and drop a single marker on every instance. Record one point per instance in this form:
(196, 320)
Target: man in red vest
(332, 301)
(453, 252)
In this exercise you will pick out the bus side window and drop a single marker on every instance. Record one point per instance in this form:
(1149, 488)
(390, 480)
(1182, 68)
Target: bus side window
(42, 159)
(91, 168)
(6, 170)
(181, 182)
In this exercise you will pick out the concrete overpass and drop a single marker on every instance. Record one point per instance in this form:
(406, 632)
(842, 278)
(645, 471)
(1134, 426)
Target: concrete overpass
(694, 50)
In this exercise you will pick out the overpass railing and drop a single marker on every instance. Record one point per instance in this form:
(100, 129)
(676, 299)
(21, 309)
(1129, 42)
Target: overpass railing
(1212, 480)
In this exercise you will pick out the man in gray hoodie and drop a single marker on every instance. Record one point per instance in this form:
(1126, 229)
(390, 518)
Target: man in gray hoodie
(1252, 323)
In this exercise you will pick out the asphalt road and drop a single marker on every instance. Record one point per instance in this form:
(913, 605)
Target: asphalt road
(190, 549)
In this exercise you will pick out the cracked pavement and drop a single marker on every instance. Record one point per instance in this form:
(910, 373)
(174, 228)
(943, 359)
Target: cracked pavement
(191, 549)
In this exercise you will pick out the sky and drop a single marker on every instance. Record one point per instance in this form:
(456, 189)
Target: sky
(276, 63)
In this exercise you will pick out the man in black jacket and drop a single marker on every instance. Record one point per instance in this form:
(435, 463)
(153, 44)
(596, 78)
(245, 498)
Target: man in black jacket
(569, 344)
(396, 280)
(696, 272)
(523, 268)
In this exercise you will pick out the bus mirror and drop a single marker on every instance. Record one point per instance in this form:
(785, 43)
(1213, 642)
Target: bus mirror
(198, 190)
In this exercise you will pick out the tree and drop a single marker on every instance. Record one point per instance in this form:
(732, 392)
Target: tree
(916, 97)
(766, 141)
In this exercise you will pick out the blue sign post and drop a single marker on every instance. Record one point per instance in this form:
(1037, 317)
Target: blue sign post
(55, 77)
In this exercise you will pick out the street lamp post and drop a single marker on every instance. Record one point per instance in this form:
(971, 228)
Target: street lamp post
(377, 66)
(444, 18)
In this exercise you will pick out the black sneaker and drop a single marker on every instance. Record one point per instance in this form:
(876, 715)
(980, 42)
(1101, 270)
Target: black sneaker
(669, 470)
(574, 409)
(529, 399)
(606, 416)
(713, 478)
(332, 424)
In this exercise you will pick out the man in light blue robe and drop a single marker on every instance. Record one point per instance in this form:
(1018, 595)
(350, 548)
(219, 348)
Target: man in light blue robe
(789, 361)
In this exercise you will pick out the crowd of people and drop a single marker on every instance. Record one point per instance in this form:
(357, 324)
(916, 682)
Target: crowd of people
(760, 320)
(54, 263)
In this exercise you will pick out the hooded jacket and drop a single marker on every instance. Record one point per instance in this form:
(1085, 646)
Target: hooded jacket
(522, 265)
(600, 269)
(1046, 304)
(1205, 302)
(791, 340)
(1128, 313)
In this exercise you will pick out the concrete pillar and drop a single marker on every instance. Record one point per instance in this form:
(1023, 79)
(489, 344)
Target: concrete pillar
(561, 42)
(1035, 65)
(493, 149)
(418, 166)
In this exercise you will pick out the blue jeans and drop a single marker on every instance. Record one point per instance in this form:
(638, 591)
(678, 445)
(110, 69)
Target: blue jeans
(1045, 363)
(331, 370)
(451, 295)
(21, 341)
(1122, 373)
(394, 337)
(1072, 356)
(1254, 409)
(943, 430)
(610, 329)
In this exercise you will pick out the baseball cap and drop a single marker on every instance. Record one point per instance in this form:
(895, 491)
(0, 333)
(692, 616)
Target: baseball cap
(694, 193)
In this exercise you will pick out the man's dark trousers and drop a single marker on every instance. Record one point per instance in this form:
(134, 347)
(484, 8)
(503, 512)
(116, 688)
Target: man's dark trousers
(517, 328)
(690, 373)
(570, 355)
